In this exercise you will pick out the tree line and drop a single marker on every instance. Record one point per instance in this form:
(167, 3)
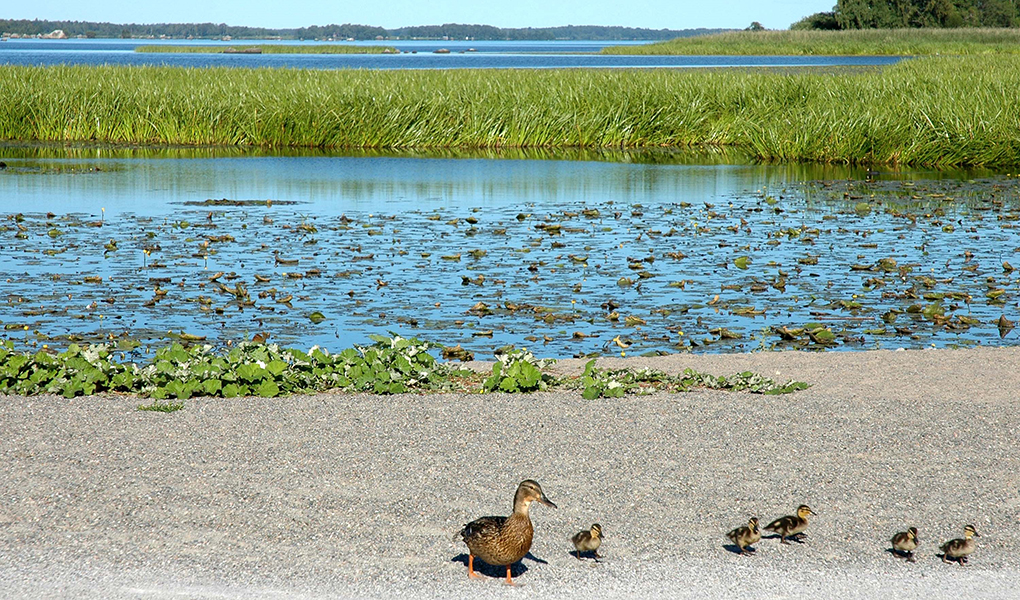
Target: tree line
(345, 31)
(895, 14)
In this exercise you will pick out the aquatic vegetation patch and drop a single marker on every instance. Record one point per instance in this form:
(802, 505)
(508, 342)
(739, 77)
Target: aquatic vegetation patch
(221, 202)
(392, 365)
(795, 268)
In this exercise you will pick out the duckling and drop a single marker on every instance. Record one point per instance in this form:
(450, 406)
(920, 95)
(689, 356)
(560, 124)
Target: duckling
(791, 526)
(905, 542)
(588, 541)
(960, 548)
(504, 540)
(746, 535)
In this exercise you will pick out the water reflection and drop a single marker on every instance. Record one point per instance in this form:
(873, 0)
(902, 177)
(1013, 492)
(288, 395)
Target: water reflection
(156, 181)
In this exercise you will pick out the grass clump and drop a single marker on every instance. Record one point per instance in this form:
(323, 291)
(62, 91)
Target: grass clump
(856, 42)
(163, 407)
(935, 111)
(267, 49)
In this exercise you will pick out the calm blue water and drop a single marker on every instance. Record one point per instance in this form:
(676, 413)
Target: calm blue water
(664, 251)
(414, 55)
(329, 186)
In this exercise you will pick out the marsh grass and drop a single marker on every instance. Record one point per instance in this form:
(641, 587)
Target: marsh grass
(936, 111)
(268, 49)
(859, 42)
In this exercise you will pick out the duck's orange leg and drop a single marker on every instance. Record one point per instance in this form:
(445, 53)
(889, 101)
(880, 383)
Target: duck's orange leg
(471, 567)
(509, 580)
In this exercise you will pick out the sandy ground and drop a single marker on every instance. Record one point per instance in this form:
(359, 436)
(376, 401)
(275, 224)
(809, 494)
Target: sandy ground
(339, 496)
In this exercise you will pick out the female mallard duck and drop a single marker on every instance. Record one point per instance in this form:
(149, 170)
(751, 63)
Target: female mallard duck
(791, 526)
(746, 535)
(504, 540)
(588, 541)
(960, 548)
(905, 542)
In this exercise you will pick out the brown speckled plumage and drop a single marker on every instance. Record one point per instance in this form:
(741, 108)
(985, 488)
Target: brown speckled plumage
(504, 540)
(588, 540)
(744, 536)
(960, 548)
(905, 542)
(791, 526)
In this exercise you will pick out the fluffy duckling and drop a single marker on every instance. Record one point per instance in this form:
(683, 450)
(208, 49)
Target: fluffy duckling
(905, 542)
(504, 540)
(792, 526)
(588, 541)
(746, 535)
(960, 548)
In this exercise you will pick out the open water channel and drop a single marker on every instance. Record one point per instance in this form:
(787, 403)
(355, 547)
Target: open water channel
(568, 254)
(414, 54)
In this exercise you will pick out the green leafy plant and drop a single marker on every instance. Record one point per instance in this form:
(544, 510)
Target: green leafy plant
(599, 383)
(517, 371)
(77, 371)
(391, 365)
(743, 381)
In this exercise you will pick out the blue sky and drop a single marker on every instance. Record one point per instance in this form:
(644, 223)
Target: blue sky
(656, 14)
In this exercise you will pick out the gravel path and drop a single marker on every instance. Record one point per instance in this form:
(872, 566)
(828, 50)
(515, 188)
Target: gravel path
(339, 496)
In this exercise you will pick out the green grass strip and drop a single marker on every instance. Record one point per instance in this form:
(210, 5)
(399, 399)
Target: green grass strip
(268, 49)
(935, 111)
(857, 42)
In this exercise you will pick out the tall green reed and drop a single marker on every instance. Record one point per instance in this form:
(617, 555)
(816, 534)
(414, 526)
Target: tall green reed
(932, 111)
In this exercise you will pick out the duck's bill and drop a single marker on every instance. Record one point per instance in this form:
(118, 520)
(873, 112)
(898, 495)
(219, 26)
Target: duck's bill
(547, 502)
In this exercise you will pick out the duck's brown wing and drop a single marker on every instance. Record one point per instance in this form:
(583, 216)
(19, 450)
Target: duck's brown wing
(482, 528)
(736, 534)
(782, 524)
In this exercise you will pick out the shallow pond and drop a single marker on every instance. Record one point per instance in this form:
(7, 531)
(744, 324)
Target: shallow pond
(569, 254)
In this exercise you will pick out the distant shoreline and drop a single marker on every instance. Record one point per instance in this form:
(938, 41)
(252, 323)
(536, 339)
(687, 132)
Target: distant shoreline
(333, 32)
